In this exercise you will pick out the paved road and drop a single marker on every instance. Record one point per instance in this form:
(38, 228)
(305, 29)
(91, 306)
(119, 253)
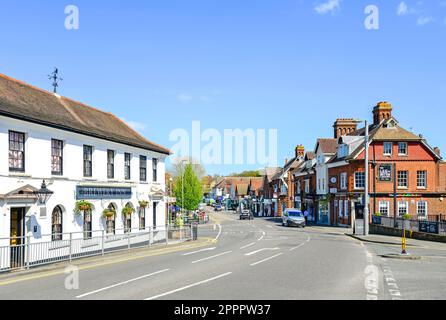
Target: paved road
(257, 259)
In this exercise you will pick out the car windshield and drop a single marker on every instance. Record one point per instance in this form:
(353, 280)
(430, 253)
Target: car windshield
(295, 214)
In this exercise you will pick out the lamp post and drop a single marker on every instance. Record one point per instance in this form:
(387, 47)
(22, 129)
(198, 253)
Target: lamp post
(366, 183)
(170, 200)
(43, 194)
(182, 184)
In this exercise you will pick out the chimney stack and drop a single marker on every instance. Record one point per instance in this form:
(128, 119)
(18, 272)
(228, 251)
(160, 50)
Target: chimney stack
(382, 111)
(344, 127)
(300, 151)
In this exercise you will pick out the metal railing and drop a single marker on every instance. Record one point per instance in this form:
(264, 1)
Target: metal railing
(31, 251)
(425, 224)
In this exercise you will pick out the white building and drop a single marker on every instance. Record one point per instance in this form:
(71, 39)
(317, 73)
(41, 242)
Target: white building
(82, 154)
(324, 151)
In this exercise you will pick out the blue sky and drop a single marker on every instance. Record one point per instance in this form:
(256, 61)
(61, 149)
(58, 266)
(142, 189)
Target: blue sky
(291, 65)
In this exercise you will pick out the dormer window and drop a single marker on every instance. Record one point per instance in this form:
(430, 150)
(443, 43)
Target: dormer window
(343, 151)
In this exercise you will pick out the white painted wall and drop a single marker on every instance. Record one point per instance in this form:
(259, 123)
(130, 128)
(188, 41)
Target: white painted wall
(38, 167)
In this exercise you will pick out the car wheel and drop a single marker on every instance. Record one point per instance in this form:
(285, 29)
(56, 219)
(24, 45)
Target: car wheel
(288, 224)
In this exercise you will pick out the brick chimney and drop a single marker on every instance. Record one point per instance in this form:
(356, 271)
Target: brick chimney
(382, 111)
(300, 151)
(343, 127)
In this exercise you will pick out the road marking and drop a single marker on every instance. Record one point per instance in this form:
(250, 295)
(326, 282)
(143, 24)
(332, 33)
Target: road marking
(267, 259)
(247, 246)
(263, 236)
(189, 286)
(212, 257)
(120, 284)
(219, 232)
(271, 227)
(203, 250)
(116, 260)
(299, 246)
(261, 250)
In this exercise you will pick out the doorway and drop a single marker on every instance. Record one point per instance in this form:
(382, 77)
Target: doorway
(17, 237)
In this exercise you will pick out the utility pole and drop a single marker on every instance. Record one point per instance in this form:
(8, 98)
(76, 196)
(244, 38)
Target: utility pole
(366, 191)
(54, 76)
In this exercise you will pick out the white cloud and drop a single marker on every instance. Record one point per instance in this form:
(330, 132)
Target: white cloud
(185, 98)
(424, 20)
(331, 6)
(137, 126)
(403, 9)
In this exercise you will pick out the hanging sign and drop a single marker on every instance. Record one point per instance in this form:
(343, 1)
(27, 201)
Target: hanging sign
(385, 173)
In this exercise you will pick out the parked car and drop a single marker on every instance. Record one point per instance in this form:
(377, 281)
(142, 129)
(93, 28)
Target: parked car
(243, 210)
(293, 218)
(246, 214)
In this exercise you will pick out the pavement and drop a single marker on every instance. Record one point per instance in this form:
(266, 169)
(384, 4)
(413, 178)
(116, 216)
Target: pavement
(244, 260)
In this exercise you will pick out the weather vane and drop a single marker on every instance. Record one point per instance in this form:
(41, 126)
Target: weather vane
(55, 78)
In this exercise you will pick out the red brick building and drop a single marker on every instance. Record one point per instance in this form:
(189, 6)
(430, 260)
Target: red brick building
(407, 175)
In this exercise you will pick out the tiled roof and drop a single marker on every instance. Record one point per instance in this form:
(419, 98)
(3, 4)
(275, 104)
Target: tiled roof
(328, 146)
(22, 101)
(242, 189)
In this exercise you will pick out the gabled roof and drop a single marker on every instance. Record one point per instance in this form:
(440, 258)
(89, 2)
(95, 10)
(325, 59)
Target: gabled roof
(24, 102)
(271, 172)
(327, 146)
(241, 189)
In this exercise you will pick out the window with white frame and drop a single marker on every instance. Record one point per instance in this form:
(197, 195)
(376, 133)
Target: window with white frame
(403, 179)
(403, 208)
(388, 148)
(402, 148)
(384, 208)
(359, 180)
(422, 208)
(344, 181)
(421, 179)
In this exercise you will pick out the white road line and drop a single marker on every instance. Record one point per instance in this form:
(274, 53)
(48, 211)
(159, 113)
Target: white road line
(269, 227)
(120, 284)
(267, 259)
(203, 250)
(189, 286)
(263, 236)
(212, 257)
(299, 246)
(261, 250)
(219, 232)
(247, 246)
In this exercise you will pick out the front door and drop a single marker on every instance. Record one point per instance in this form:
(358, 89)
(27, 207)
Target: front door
(17, 236)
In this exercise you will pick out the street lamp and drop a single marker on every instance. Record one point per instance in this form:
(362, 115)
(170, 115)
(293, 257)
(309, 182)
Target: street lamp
(43, 194)
(182, 184)
(366, 185)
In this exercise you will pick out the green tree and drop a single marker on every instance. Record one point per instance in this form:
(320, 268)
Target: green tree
(193, 192)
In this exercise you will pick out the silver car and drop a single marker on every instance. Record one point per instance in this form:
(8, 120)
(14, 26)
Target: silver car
(293, 218)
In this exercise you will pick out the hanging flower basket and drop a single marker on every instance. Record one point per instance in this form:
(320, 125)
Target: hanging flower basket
(83, 206)
(128, 211)
(109, 213)
(143, 204)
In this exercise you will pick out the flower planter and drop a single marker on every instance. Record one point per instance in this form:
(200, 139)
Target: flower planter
(109, 214)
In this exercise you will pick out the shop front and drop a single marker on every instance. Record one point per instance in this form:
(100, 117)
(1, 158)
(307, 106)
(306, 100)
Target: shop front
(323, 215)
(309, 207)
